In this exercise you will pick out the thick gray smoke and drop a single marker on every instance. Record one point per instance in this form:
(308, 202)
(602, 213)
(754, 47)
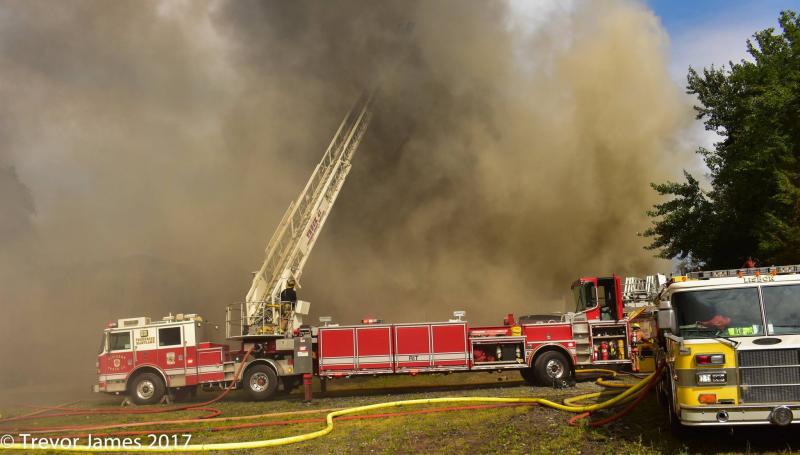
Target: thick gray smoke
(149, 150)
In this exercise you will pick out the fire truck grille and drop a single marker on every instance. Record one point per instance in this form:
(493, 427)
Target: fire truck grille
(769, 376)
(769, 358)
(776, 394)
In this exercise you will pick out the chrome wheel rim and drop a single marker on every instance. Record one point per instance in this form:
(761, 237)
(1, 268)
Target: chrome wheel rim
(145, 389)
(259, 382)
(554, 369)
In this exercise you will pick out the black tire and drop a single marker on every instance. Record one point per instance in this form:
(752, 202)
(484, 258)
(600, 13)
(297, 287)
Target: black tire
(675, 426)
(261, 382)
(147, 388)
(528, 376)
(662, 396)
(552, 369)
(678, 430)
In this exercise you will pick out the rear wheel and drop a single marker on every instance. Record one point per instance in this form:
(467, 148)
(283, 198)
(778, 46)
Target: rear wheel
(261, 382)
(147, 388)
(552, 369)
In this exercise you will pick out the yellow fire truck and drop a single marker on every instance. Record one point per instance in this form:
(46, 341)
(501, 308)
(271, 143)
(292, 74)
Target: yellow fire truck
(731, 343)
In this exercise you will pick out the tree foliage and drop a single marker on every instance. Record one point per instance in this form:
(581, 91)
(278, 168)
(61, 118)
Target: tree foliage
(753, 205)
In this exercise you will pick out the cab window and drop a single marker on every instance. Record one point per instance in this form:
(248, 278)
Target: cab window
(119, 341)
(170, 336)
(782, 309)
(729, 312)
(585, 297)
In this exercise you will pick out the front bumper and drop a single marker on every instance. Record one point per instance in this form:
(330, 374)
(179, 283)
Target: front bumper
(736, 415)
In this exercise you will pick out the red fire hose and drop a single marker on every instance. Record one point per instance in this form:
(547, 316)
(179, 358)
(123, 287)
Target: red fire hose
(104, 411)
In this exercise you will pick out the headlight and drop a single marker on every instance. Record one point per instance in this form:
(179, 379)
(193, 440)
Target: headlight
(712, 378)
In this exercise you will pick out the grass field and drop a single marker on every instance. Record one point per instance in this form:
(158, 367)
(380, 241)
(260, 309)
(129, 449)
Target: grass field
(512, 430)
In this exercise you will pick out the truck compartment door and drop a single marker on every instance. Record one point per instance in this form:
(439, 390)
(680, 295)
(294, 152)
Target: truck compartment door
(413, 346)
(337, 349)
(450, 346)
(374, 349)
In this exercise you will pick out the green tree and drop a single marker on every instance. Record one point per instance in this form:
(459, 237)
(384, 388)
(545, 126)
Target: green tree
(753, 205)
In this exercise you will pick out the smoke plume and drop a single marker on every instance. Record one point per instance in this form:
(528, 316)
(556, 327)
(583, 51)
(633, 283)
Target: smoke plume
(149, 149)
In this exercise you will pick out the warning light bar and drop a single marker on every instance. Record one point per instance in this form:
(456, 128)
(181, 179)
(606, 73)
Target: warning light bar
(371, 321)
(755, 271)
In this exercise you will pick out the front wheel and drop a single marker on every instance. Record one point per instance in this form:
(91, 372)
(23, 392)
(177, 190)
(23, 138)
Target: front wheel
(261, 382)
(552, 369)
(147, 388)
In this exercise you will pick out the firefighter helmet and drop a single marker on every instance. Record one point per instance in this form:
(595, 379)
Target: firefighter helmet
(291, 282)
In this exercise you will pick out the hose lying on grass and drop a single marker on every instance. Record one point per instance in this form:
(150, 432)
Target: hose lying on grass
(632, 395)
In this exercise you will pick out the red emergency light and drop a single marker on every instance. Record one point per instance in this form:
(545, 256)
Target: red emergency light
(371, 321)
(710, 359)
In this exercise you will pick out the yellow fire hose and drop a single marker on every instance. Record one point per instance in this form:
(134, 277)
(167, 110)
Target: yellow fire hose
(569, 406)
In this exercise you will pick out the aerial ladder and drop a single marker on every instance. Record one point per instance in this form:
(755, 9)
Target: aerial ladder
(263, 315)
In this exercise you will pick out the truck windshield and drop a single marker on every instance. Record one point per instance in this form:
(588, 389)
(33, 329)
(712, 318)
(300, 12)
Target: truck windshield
(584, 296)
(782, 306)
(726, 312)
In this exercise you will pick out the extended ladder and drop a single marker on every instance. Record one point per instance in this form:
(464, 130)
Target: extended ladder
(290, 245)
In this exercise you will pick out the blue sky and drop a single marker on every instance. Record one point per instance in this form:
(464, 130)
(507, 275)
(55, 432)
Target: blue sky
(702, 32)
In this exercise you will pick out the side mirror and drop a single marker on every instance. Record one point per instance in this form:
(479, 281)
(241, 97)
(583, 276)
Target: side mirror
(667, 320)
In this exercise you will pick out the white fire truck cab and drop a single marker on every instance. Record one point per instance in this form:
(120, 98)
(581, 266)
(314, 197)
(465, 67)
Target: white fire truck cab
(146, 359)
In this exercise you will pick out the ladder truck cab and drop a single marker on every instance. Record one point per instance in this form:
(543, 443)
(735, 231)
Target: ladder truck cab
(731, 344)
(147, 359)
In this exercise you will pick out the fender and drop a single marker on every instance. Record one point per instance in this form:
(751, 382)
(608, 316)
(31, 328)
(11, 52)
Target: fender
(550, 346)
(271, 362)
(148, 366)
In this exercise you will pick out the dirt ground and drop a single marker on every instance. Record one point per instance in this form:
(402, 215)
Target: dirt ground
(429, 428)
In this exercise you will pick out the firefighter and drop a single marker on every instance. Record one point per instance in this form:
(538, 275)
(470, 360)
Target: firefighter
(289, 294)
(635, 339)
(288, 300)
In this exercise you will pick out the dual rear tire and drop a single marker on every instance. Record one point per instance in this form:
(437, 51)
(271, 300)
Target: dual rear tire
(261, 382)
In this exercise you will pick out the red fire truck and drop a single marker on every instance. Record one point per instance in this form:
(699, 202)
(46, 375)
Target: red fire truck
(147, 359)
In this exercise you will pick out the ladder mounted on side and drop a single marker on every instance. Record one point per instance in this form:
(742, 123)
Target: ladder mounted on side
(288, 249)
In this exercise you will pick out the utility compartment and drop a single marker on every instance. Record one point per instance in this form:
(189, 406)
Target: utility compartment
(431, 347)
(390, 348)
(450, 350)
(349, 350)
(413, 343)
(610, 343)
(489, 353)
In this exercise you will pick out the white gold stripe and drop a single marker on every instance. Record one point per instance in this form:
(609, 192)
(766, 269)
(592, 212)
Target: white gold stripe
(374, 359)
(336, 361)
(453, 356)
